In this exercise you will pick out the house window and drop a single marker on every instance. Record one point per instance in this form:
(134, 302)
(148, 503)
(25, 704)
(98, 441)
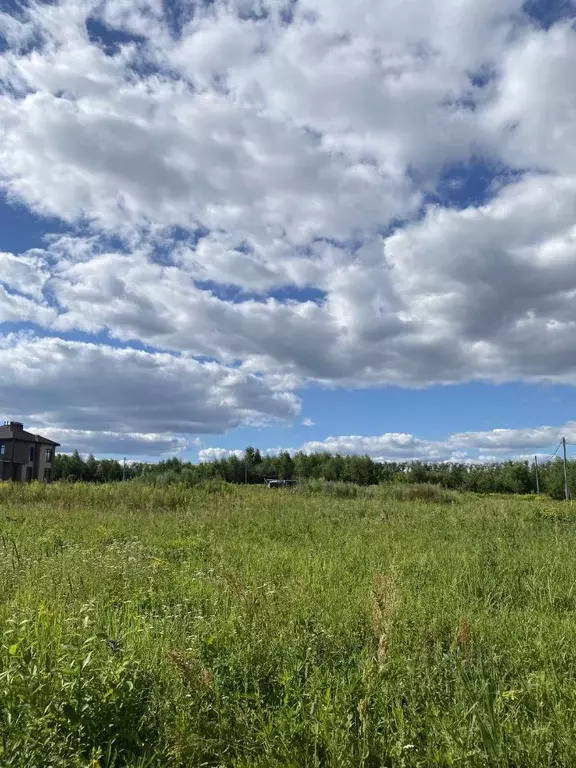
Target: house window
(47, 475)
(2, 450)
(48, 456)
(31, 453)
(28, 474)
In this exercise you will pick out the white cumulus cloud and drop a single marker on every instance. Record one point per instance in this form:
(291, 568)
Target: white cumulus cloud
(289, 193)
(486, 446)
(213, 454)
(108, 399)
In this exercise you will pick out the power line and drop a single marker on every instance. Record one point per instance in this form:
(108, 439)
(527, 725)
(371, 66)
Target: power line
(557, 449)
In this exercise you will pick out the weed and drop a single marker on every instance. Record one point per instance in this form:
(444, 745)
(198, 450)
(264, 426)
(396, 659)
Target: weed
(423, 492)
(226, 626)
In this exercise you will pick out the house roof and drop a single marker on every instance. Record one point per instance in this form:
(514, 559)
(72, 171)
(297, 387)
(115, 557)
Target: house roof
(6, 433)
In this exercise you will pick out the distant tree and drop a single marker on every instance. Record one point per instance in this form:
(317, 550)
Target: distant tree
(285, 466)
(253, 461)
(503, 477)
(553, 479)
(76, 467)
(234, 469)
(90, 469)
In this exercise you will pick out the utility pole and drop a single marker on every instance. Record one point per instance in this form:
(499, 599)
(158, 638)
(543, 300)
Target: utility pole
(566, 489)
(124, 470)
(537, 477)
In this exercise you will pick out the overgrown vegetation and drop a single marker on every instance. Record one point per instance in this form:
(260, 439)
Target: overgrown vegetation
(505, 477)
(228, 626)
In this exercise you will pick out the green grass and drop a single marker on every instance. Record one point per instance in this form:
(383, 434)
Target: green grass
(245, 627)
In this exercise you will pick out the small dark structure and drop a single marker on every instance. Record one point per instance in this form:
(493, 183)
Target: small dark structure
(24, 456)
(280, 483)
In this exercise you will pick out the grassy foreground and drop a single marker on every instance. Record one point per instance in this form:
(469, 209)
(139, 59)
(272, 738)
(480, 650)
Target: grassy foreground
(244, 627)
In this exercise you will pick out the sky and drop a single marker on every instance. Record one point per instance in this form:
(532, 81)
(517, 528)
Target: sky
(344, 225)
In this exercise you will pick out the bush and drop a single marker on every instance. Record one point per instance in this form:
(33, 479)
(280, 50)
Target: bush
(423, 492)
(216, 485)
(338, 489)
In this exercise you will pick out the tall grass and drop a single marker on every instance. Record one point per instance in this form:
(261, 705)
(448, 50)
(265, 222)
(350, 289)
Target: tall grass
(391, 491)
(229, 626)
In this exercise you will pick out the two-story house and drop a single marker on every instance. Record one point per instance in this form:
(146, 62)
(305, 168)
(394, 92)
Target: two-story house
(24, 456)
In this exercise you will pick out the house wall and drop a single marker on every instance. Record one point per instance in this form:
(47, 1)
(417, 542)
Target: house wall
(21, 451)
(22, 458)
(39, 463)
(9, 449)
(42, 463)
(6, 466)
(18, 453)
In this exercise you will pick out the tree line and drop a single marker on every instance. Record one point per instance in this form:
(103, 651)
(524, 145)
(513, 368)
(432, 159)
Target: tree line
(253, 467)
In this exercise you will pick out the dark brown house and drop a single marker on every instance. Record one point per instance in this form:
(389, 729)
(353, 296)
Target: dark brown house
(24, 456)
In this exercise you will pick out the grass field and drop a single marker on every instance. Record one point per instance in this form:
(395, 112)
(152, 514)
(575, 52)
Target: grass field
(245, 627)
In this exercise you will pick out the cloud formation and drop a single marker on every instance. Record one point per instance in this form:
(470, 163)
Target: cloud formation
(487, 446)
(106, 399)
(213, 454)
(290, 190)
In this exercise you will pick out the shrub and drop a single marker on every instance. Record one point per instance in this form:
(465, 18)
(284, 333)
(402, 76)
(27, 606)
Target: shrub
(423, 492)
(338, 489)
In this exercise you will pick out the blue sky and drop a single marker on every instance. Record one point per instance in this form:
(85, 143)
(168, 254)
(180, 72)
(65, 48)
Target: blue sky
(289, 224)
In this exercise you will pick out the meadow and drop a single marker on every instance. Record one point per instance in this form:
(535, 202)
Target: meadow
(230, 626)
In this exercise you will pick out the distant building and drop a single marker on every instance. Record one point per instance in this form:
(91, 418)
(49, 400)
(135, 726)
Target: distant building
(24, 456)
